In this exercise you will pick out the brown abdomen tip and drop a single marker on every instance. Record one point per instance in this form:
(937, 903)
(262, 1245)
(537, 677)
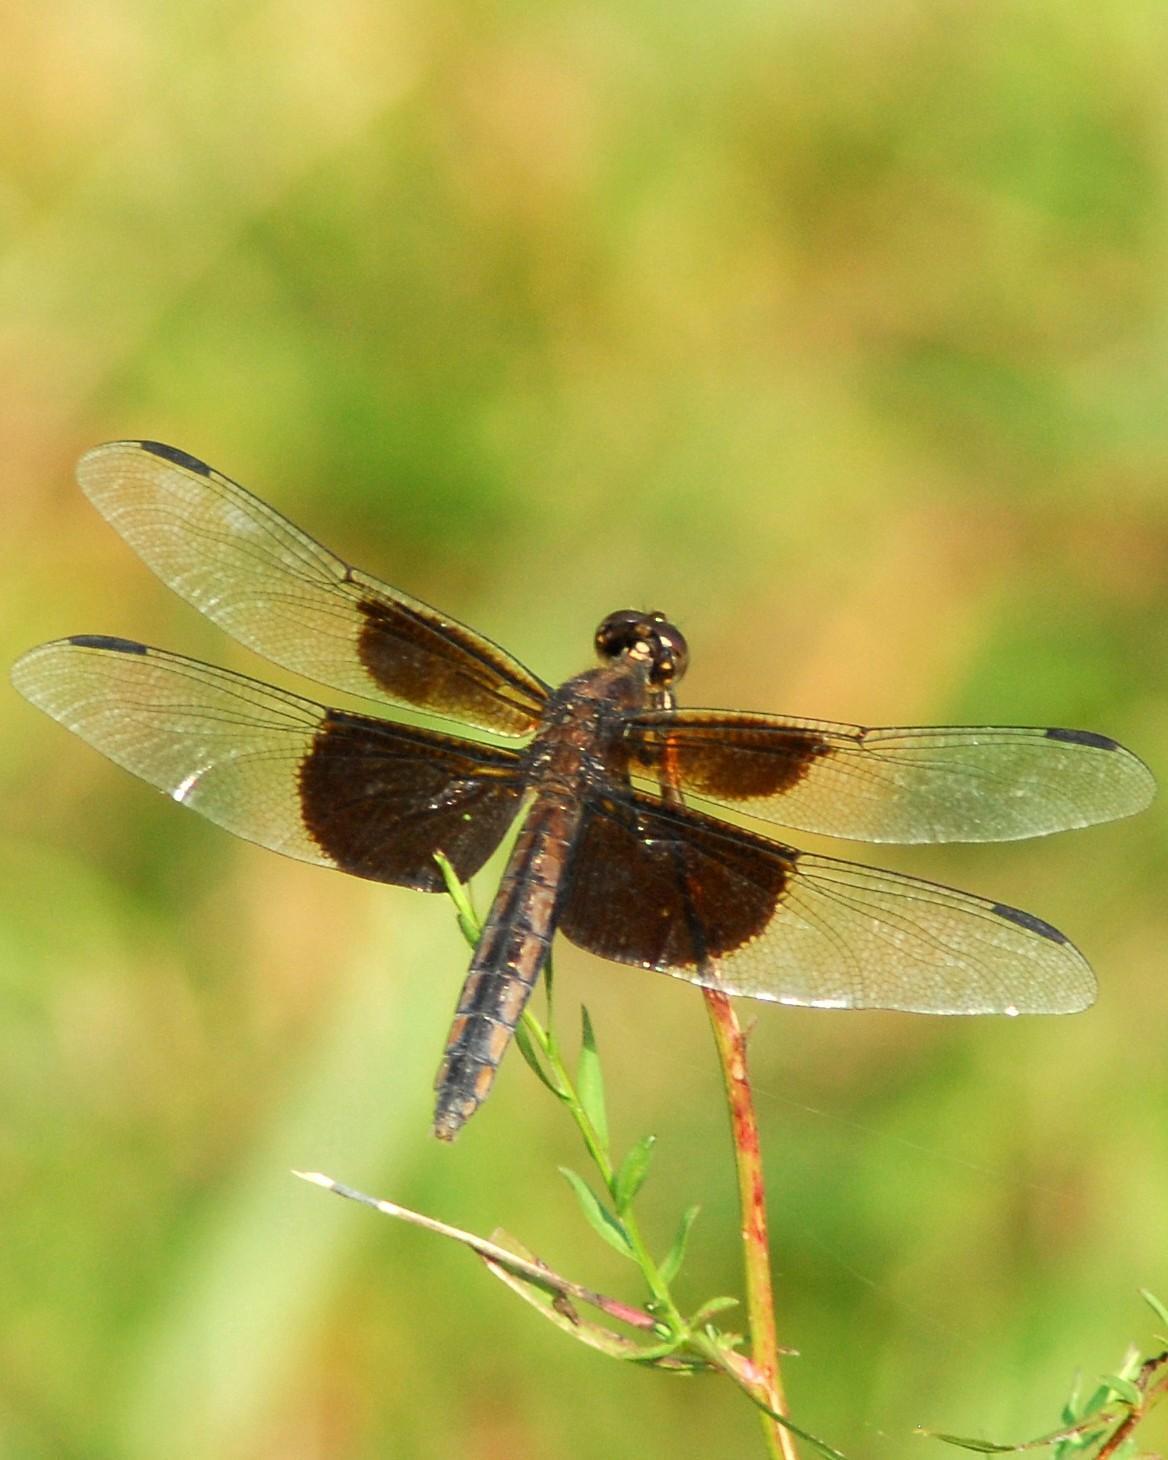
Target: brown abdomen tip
(448, 1125)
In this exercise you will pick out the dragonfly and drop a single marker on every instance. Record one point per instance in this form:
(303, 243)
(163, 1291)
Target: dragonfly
(610, 852)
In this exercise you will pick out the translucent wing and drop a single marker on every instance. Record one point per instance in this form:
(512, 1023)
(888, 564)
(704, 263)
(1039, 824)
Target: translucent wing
(277, 591)
(942, 784)
(667, 888)
(342, 790)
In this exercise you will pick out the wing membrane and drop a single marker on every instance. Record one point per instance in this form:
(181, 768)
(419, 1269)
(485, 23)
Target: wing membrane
(285, 596)
(341, 790)
(667, 888)
(930, 784)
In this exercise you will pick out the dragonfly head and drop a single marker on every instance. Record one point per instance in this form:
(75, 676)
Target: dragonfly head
(648, 638)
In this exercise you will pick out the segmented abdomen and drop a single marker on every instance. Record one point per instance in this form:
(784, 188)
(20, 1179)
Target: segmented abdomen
(510, 956)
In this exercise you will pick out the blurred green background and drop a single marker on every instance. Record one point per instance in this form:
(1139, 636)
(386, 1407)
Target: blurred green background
(838, 332)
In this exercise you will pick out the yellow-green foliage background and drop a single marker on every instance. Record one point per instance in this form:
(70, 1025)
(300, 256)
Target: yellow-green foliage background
(840, 332)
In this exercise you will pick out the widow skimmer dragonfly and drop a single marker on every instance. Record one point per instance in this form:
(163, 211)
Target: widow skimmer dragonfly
(609, 853)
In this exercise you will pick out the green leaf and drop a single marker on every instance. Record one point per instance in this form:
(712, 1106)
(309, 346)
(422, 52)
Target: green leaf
(1073, 1434)
(595, 1335)
(821, 1447)
(565, 1313)
(468, 923)
(1133, 1362)
(981, 1447)
(533, 1058)
(710, 1309)
(590, 1082)
(671, 1265)
(631, 1176)
(549, 984)
(599, 1217)
(1073, 1408)
(1099, 1398)
(1156, 1306)
(1124, 1389)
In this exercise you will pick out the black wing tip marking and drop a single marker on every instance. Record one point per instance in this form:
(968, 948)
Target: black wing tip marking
(180, 458)
(1083, 737)
(106, 641)
(1031, 923)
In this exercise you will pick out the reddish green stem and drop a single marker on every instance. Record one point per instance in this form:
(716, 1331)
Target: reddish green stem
(760, 1301)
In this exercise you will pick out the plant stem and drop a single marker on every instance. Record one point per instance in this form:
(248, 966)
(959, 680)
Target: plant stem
(760, 1302)
(538, 1274)
(597, 1151)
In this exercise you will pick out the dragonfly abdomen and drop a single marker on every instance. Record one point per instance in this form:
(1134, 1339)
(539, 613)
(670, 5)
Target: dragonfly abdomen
(510, 956)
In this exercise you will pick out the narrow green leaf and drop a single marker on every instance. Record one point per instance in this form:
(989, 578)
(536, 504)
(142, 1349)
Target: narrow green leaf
(1073, 1408)
(1099, 1398)
(1156, 1306)
(710, 1309)
(671, 1265)
(565, 1312)
(631, 1176)
(616, 1345)
(1124, 1389)
(468, 923)
(590, 1082)
(981, 1447)
(531, 1055)
(1071, 1434)
(549, 984)
(821, 1447)
(599, 1217)
(1133, 1362)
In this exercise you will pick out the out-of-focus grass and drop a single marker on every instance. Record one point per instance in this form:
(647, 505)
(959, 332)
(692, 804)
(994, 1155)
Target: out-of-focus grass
(837, 333)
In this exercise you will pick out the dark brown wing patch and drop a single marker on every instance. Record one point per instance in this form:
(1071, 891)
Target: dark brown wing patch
(895, 784)
(341, 790)
(664, 887)
(669, 889)
(736, 762)
(446, 667)
(282, 594)
(380, 799)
